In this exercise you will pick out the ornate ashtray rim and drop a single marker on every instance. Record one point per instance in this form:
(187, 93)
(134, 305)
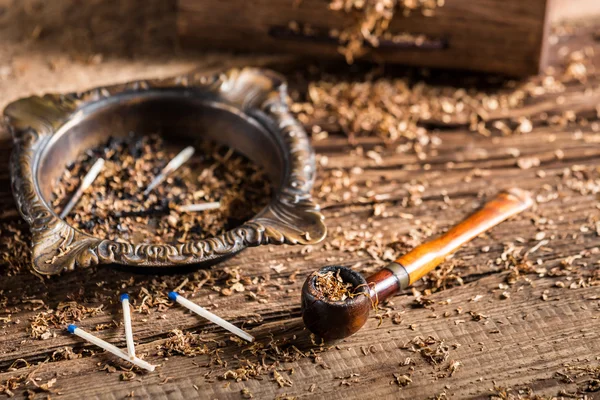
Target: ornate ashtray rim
(292, 217)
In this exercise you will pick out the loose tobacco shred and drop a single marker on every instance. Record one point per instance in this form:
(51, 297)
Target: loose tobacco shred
(333, 286)
(374, 22)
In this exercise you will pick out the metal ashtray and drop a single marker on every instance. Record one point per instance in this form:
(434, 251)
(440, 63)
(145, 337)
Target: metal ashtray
(244, 109)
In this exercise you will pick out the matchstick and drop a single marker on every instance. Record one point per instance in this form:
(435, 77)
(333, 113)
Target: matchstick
(175, 163)
(199, 207)
(210, 316)
(86, 182)
(109, 347)
(128, 328)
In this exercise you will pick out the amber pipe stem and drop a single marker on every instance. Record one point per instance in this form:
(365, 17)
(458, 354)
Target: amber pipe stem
(412, 266)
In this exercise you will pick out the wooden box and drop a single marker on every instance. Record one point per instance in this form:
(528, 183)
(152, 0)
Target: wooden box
(498, 36)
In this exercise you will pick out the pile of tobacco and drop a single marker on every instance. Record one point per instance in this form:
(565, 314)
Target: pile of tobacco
(115, 206)
(374, 18)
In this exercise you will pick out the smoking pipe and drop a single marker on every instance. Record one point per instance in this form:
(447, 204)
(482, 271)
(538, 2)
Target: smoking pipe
(332, 320)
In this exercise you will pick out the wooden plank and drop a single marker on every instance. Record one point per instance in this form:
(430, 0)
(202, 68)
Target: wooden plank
(520, 341)
(487, 35)
(562, 330)
(550, 334)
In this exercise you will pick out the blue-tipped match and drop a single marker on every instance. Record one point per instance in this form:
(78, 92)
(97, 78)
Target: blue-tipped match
(173, 296)
(71, 328)
(124, 296)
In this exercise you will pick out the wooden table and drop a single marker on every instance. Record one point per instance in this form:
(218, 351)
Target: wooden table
(526, 337)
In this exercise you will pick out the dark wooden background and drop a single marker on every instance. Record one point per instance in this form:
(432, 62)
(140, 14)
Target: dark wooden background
(506, 347)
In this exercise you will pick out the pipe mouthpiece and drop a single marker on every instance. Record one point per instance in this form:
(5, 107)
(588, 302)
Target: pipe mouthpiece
(523, 196)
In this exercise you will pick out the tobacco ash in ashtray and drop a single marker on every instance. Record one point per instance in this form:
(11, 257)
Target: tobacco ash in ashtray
(333, 287)
(115, 207)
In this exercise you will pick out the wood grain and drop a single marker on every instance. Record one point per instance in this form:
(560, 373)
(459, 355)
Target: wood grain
(535, 338)
(487, 35)
(523, 341)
